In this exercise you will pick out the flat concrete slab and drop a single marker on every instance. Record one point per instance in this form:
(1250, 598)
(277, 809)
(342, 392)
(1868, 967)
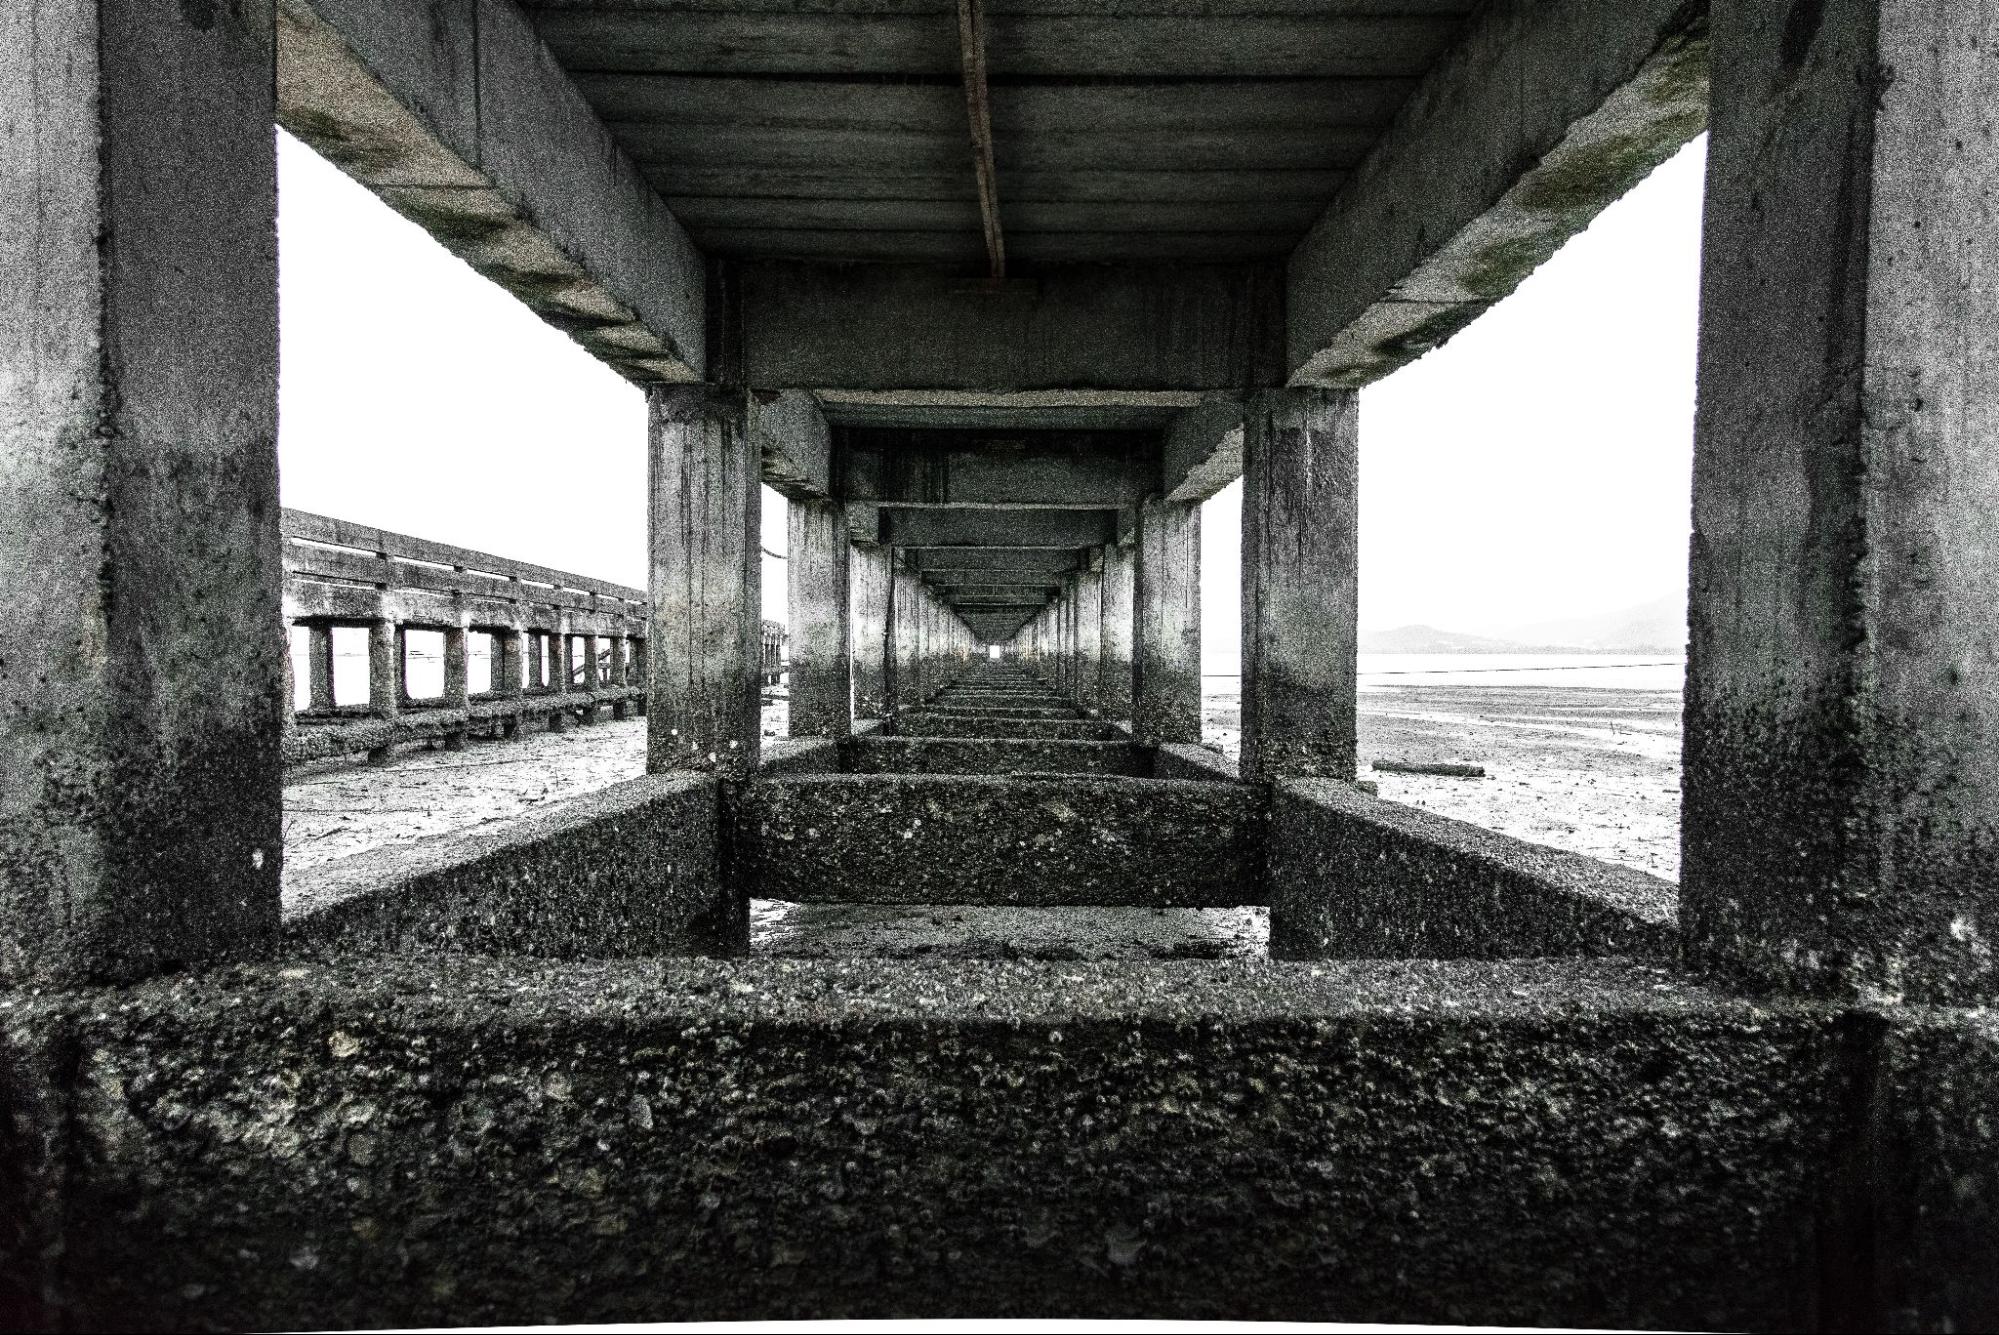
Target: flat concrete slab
(953, 839)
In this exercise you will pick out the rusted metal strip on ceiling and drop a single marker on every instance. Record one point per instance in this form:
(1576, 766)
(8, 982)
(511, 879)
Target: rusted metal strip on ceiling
(978, 111)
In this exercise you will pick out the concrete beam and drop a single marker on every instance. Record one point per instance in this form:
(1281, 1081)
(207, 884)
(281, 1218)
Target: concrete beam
(946, 580)
(1203, 449)
(1048, 529)
(994, 595)
(461, 120)
(793, 443)
(982, 469)
(983, 559)
(895, 328)
(1545, 112)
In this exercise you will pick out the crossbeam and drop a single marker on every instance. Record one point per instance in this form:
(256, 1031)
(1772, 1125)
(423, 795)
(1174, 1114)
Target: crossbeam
(1047, 529)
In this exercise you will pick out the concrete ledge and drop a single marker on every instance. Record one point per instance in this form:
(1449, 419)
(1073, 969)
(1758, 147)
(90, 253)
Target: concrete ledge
(919, 723)
(394, 1143)
(800, 755)
(318, 741)
(953, 839)
(1178, 760)
(972, 755)
(630, 870)
(1353, 876)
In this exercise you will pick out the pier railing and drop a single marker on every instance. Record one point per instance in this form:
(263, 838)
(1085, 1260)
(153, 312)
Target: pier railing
(559, 646)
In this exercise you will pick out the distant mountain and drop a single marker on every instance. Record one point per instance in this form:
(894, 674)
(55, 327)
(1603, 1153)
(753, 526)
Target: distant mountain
(1430, 640)
(1655, 627)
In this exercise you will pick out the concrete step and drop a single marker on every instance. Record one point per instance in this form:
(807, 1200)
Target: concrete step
(1019, 842)
(1013, 755)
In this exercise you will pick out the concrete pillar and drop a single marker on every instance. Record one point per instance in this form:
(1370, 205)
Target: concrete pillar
(508, 674)
(319, 667)
(1841, 814)
(868, 593)
(1114, 676)
(558, 676)
(1089, 640)
(1166, 650)
(907, 622)
(706, 640)
(142, 658)
(635, 670)
(1300, 583)
(817, 585)
(620, 675)
(457, 694)
(585, 646)
(385, 678)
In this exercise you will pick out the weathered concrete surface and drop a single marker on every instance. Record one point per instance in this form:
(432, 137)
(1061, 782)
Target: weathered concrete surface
(1351, 876)
(1166, 620)
(704, 647)
(1939, 1077)
(1022, 841)
(629, 870)
(1014, 755)
(1050, 528)
(142, 675)
(393, 1143)
(1114, 669)
(1179, 760)
(902, 327)
(793, 443)
(926, 723)
(1841, 824)
(1202, 452)
(869, 580)
(1068, 469)
(1300, 583)
(817, 572)
(1540, 116)
(801, 755)
(460, 119)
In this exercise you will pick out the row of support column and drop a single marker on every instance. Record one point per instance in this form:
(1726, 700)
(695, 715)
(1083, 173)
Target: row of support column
(1842, 714)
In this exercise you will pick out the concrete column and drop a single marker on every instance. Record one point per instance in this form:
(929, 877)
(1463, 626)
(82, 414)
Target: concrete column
(1115, 671)
(385, 678)
(319, 667)
(817, 584)
(1166, 650)
(456, 683)
(1841, 816)
(908, 620)
(620, 675)
(142, 659)
(587, 670)
(508, 674)
(707, 570)
(1089, 640)
(558, 675)
(1300, 585)
(868, 592)
(635, 670)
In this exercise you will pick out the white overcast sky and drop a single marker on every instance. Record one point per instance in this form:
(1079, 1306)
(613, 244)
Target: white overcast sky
(1539, 465)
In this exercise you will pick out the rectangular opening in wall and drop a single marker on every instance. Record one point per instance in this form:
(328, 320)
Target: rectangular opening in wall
(423, 664)
(481, 652)
(350, 666)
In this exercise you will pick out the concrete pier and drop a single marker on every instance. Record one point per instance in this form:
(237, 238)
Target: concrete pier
(817, 572)
(139, 813)
(531, 1070)
(1166, 623)
(1841, 824)
(1300, 583)
(707, 571)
